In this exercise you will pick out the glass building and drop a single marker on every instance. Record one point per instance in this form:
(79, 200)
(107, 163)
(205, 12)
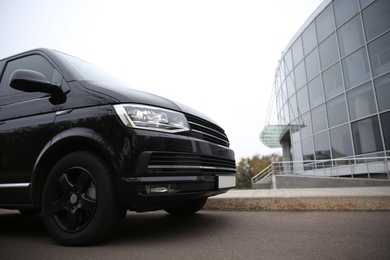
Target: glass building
(332, 87)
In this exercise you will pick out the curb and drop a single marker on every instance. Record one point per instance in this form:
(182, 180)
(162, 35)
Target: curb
(363, 199)
(303, 203)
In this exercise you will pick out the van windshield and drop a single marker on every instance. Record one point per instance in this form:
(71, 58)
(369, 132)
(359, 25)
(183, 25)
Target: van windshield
(88, 71)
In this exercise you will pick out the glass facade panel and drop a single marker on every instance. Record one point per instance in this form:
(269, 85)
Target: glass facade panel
(329, 53)
(337, 111)
(340, 139)
(294, 131)
(350, 36)
(325, 23)
(305, 125)
(380, 54)
(300, 75)
(283, 69)
(312, 65)
(382, 88)
(316, 95)
(376, 18)
(332, 80)
(293, 107)
(385, 119)
(290, 84)
(288, 62)
(307, 149)
(281, 118)
(344, 9)
(297, 154)
(318, 118)
(361, 101)
(364, 3)
(303, 100)
(321, 146)
(366, 136)
(297, 51)
(309, 39)
(356, 69)
(283, 93)
(286, 113)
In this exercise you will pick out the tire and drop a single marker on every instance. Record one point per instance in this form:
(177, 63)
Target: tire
(79, 205)
(189, 208)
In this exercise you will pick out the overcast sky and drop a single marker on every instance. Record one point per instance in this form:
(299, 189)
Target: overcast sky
(217, 56)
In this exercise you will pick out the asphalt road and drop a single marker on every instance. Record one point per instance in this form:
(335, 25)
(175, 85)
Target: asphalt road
(214, 235)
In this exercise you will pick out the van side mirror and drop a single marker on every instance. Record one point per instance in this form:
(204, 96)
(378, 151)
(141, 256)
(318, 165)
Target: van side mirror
(32, 81)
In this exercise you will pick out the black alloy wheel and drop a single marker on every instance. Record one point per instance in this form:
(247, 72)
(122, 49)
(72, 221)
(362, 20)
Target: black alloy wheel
(76, 203)
(79, 201)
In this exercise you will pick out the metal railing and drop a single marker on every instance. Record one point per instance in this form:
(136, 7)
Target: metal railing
(344, 167)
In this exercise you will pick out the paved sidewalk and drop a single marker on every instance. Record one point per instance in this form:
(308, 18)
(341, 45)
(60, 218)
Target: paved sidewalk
(367, 198)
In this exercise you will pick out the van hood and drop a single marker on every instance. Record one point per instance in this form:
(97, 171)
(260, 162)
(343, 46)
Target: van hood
(127, 94)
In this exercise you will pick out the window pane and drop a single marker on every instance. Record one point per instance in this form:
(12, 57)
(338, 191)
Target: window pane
(319, 119)
(351, 36)
(282, 68)
(337, 111)
(333, 82)
(340, 139)
(380, 54)
(294, 131)
(286, 113)
(328, 52)
(382, 88)
(281, 117)
(325, 24)
(309, 39)
(361, 101)
(284, 92)
(303, 100)
(290, 85)
(305, 125)
(288, 62)
(356, 69)
(316, 95)
(385, 118)
(297, 156)
(307, 149)
(344, 9)
(297, 51)
(300, 75)
(321, 146)
(366, 136)
(364, 3)
(376, 18)
(293, 107)
(312, 64)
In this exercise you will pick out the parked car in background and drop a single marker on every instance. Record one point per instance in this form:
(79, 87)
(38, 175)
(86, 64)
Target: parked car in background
(84, 148)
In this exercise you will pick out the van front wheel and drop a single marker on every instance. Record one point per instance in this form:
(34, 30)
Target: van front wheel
(79, 204)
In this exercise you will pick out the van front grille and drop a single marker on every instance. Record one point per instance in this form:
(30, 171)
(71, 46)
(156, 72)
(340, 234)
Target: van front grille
(205, 130)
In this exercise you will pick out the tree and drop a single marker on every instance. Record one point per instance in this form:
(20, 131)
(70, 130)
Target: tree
(249, 167)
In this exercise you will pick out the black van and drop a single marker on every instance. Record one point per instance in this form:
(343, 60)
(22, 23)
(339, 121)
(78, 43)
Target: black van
(84, 148)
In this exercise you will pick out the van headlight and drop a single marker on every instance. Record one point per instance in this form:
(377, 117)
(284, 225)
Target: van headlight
(151, 118)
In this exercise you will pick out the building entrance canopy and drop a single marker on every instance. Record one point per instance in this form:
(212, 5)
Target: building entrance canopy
(270, 136)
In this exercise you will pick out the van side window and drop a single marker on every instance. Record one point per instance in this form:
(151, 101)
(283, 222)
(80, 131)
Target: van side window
(32, 62)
